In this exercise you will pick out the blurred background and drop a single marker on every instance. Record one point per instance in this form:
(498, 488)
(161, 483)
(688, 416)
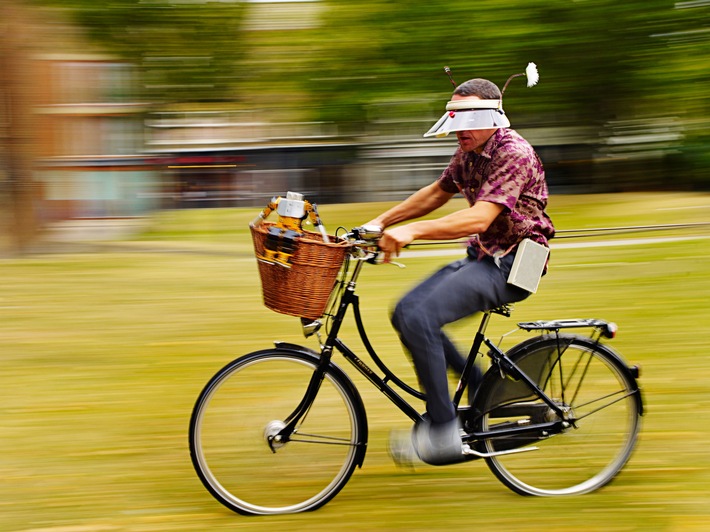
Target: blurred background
(115, 109)
(149, 114)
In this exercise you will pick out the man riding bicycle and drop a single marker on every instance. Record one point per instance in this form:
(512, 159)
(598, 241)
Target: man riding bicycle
(503, 180)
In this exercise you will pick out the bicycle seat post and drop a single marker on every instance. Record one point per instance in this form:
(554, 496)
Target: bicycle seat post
(484, 323)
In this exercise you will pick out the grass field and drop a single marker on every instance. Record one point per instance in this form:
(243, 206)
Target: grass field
(105, 352)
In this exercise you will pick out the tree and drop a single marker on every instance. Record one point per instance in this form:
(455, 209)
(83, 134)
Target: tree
(380, 49)
(18, 190)
(185, 51)
(601, 61)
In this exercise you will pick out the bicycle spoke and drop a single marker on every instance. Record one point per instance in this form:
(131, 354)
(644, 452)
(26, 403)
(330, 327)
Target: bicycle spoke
(584, 379)
(607, 405)
(234, 436)
(317, 437)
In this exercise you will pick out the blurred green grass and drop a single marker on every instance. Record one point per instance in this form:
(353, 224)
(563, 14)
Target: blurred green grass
(104, 354)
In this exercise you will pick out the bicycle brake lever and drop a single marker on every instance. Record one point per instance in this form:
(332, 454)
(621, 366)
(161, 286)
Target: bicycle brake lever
(373, 260)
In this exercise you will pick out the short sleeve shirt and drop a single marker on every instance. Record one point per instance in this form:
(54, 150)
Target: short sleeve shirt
(508, 172)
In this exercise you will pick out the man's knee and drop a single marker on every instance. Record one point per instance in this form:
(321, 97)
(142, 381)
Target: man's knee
(397, 319)
(407, 317)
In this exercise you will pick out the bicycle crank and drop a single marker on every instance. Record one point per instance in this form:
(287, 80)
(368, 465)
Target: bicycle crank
(472, 452)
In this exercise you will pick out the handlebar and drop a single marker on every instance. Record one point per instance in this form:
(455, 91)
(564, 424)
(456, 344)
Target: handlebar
(366, 233)
(365, 240)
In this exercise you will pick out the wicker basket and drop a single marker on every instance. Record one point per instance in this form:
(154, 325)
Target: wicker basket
(304, 289)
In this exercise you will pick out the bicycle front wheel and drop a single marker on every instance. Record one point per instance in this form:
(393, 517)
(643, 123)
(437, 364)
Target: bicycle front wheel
(249, 400)
(601, 401)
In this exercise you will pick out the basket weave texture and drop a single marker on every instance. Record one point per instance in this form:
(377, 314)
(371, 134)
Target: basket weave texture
(304, 289)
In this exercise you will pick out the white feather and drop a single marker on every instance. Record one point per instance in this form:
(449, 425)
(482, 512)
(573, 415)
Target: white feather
(532, 74)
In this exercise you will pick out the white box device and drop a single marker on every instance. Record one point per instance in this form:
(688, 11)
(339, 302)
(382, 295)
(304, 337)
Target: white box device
(529, 263)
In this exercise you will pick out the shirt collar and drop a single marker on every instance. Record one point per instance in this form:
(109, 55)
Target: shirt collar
(492, 142)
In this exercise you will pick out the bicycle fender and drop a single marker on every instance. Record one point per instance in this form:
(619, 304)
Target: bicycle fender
(631, 372)
(295, 347)
(346, 380)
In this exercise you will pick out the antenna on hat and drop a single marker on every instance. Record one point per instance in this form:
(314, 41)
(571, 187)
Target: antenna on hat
(530, 72)
(448, 73)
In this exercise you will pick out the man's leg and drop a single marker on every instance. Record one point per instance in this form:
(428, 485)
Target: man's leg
(421, 339)
(454, 292)
(457, 290)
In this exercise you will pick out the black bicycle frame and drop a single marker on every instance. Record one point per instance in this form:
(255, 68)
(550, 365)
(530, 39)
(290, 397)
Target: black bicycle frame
(349, 298)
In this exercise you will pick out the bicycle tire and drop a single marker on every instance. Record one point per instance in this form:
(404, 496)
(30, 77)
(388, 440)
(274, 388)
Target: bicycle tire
(590, 381)
(250, 397)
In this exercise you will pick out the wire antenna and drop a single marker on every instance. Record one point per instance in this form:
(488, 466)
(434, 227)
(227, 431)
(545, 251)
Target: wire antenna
(448, 73)
(530, 72)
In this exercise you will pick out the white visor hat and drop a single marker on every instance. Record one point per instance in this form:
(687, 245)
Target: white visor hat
(462, 115)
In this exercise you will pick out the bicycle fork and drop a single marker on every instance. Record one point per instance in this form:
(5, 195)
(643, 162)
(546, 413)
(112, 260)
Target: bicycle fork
(279, 433)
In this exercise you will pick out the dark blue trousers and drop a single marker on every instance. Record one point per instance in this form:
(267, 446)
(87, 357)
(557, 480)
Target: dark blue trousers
(459, 289)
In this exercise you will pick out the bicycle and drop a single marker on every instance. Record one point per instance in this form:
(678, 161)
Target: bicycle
(281, 430)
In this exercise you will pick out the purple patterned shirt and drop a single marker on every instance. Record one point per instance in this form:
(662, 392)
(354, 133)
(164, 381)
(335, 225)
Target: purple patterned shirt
(509, 173)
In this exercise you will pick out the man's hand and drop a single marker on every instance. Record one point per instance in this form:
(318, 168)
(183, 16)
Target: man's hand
(393, 240)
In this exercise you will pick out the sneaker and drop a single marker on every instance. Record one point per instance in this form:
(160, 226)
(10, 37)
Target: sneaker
(438, 444)
(401, 449)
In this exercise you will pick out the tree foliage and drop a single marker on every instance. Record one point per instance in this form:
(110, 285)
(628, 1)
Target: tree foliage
(614, 66)
(602, 62)
(185, 50)
(599, 59)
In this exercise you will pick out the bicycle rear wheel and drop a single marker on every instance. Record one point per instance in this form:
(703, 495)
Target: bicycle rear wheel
(250, 399)
(597, 391)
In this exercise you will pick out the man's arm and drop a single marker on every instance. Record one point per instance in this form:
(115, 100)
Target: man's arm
(422, 202)
(466, 222)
